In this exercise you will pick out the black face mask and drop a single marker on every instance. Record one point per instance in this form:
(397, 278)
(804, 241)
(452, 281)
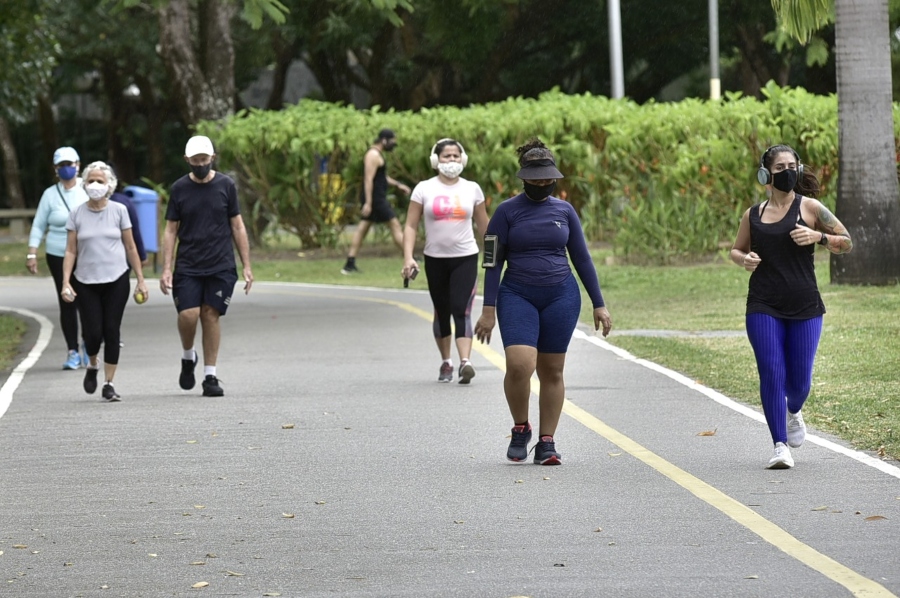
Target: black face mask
(539, 192)
(784, 180)
(201, 171)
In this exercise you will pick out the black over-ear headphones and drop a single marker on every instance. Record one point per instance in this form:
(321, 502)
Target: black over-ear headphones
(463, 158)
(764, 176)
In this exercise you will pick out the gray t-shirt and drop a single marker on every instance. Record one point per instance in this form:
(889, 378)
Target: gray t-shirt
(101, 252)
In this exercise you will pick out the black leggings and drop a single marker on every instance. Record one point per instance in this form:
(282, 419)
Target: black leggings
(452, 282)
(101, 307)
(68, 312)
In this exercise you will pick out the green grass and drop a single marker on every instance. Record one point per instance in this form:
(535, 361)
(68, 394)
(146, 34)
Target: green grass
(855, 382)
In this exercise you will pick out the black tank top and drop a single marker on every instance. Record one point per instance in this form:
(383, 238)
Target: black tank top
(379, 185)
(784, 283)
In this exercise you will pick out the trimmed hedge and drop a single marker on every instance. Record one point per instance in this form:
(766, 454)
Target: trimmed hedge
(661, 182)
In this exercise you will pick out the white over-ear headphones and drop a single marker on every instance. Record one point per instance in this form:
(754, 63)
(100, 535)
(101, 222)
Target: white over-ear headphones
(463, 158)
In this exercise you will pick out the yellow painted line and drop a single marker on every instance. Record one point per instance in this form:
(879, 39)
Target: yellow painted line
(747, 517)
(742, 514)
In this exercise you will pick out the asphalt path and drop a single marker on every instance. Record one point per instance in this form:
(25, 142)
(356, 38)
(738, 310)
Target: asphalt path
(336, 465)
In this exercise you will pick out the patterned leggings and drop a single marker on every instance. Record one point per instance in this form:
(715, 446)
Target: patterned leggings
(785, 351)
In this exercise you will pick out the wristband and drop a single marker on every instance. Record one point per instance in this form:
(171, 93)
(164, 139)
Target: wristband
(823, 240)
(31, 256)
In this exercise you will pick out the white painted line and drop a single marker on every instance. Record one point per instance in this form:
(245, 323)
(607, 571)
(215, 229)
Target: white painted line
(735, 406)
(15, 378)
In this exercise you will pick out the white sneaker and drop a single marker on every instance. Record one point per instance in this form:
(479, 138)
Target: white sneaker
(782, 458)
(796, 429)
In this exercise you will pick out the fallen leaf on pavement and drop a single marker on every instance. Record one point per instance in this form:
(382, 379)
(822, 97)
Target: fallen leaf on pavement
(287, 426)
(822, 508)
(232, 573)
(287, 515)
(707, 433)
(875, 518)
(199, 563)
(20, 546)
(614, 454)
(200, 584)
(752, 577)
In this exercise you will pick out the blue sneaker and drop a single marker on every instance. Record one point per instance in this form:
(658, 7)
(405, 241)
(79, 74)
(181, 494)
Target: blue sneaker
(545, 452)
(73, 362)
(85, 360)
(518, 446)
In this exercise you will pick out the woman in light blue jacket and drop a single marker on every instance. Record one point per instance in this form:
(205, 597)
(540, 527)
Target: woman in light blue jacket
(57, 202)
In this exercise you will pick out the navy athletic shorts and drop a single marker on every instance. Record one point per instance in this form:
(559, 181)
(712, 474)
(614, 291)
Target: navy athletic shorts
(214, 290)
(543, 317)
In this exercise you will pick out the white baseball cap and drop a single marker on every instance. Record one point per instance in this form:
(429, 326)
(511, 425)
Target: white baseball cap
(199, 144)
(65, 154)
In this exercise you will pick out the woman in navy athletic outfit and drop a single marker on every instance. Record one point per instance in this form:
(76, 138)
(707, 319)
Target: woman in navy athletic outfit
(776, 243)
(538, 301)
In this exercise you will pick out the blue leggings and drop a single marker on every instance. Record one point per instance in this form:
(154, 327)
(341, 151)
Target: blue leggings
(785, 351)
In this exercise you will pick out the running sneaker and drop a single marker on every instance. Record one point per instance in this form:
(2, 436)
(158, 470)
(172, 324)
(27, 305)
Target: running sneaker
(545, 452)
(796, 429)
(73, 362)
(782, 458)
(349, 269)
(518, 445)
(466, 372)
(109, 394)
(446, 374)
(186, 380)
(90, 380)
(211, 387)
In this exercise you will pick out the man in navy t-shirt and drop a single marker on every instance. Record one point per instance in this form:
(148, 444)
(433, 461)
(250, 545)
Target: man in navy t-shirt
(204, 215)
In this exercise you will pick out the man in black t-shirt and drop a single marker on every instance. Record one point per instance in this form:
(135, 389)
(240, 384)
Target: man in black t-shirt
(203, 214)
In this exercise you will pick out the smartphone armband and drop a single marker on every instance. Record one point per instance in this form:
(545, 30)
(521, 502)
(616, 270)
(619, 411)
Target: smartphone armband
(491, 251)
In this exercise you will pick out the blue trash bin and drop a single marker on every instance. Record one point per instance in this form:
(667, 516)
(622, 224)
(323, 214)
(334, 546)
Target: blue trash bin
(146, 203)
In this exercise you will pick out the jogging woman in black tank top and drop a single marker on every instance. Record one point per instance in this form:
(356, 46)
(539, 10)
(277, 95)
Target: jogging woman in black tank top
(776, 243)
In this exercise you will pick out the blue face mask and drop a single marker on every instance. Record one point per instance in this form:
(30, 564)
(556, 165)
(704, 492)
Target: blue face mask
(66, 173)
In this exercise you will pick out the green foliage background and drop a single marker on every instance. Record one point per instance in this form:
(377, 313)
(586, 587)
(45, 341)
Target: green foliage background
(661, 181)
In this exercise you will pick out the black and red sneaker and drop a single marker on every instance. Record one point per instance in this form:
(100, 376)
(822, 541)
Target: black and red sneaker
(518, 445)
(545, 452)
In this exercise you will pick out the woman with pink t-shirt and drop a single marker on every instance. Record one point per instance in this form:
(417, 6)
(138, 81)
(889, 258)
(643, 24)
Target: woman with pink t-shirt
(448, 204)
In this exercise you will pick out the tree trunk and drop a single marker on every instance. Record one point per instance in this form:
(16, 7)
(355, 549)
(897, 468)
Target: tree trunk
(202, 74)
(47, 125)
(868, 199)
(10, 167)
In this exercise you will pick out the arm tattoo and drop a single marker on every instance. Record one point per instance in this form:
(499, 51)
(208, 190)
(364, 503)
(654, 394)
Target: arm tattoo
(839, 239)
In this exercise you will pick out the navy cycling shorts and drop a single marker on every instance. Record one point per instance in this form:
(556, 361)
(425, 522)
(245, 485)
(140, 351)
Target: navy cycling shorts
(543, 317)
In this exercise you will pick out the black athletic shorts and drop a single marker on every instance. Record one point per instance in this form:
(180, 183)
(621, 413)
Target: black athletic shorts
(381, 210)
(215, 290)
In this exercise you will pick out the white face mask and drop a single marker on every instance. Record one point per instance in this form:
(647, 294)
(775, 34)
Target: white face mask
(96, 190)
(451, 170)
